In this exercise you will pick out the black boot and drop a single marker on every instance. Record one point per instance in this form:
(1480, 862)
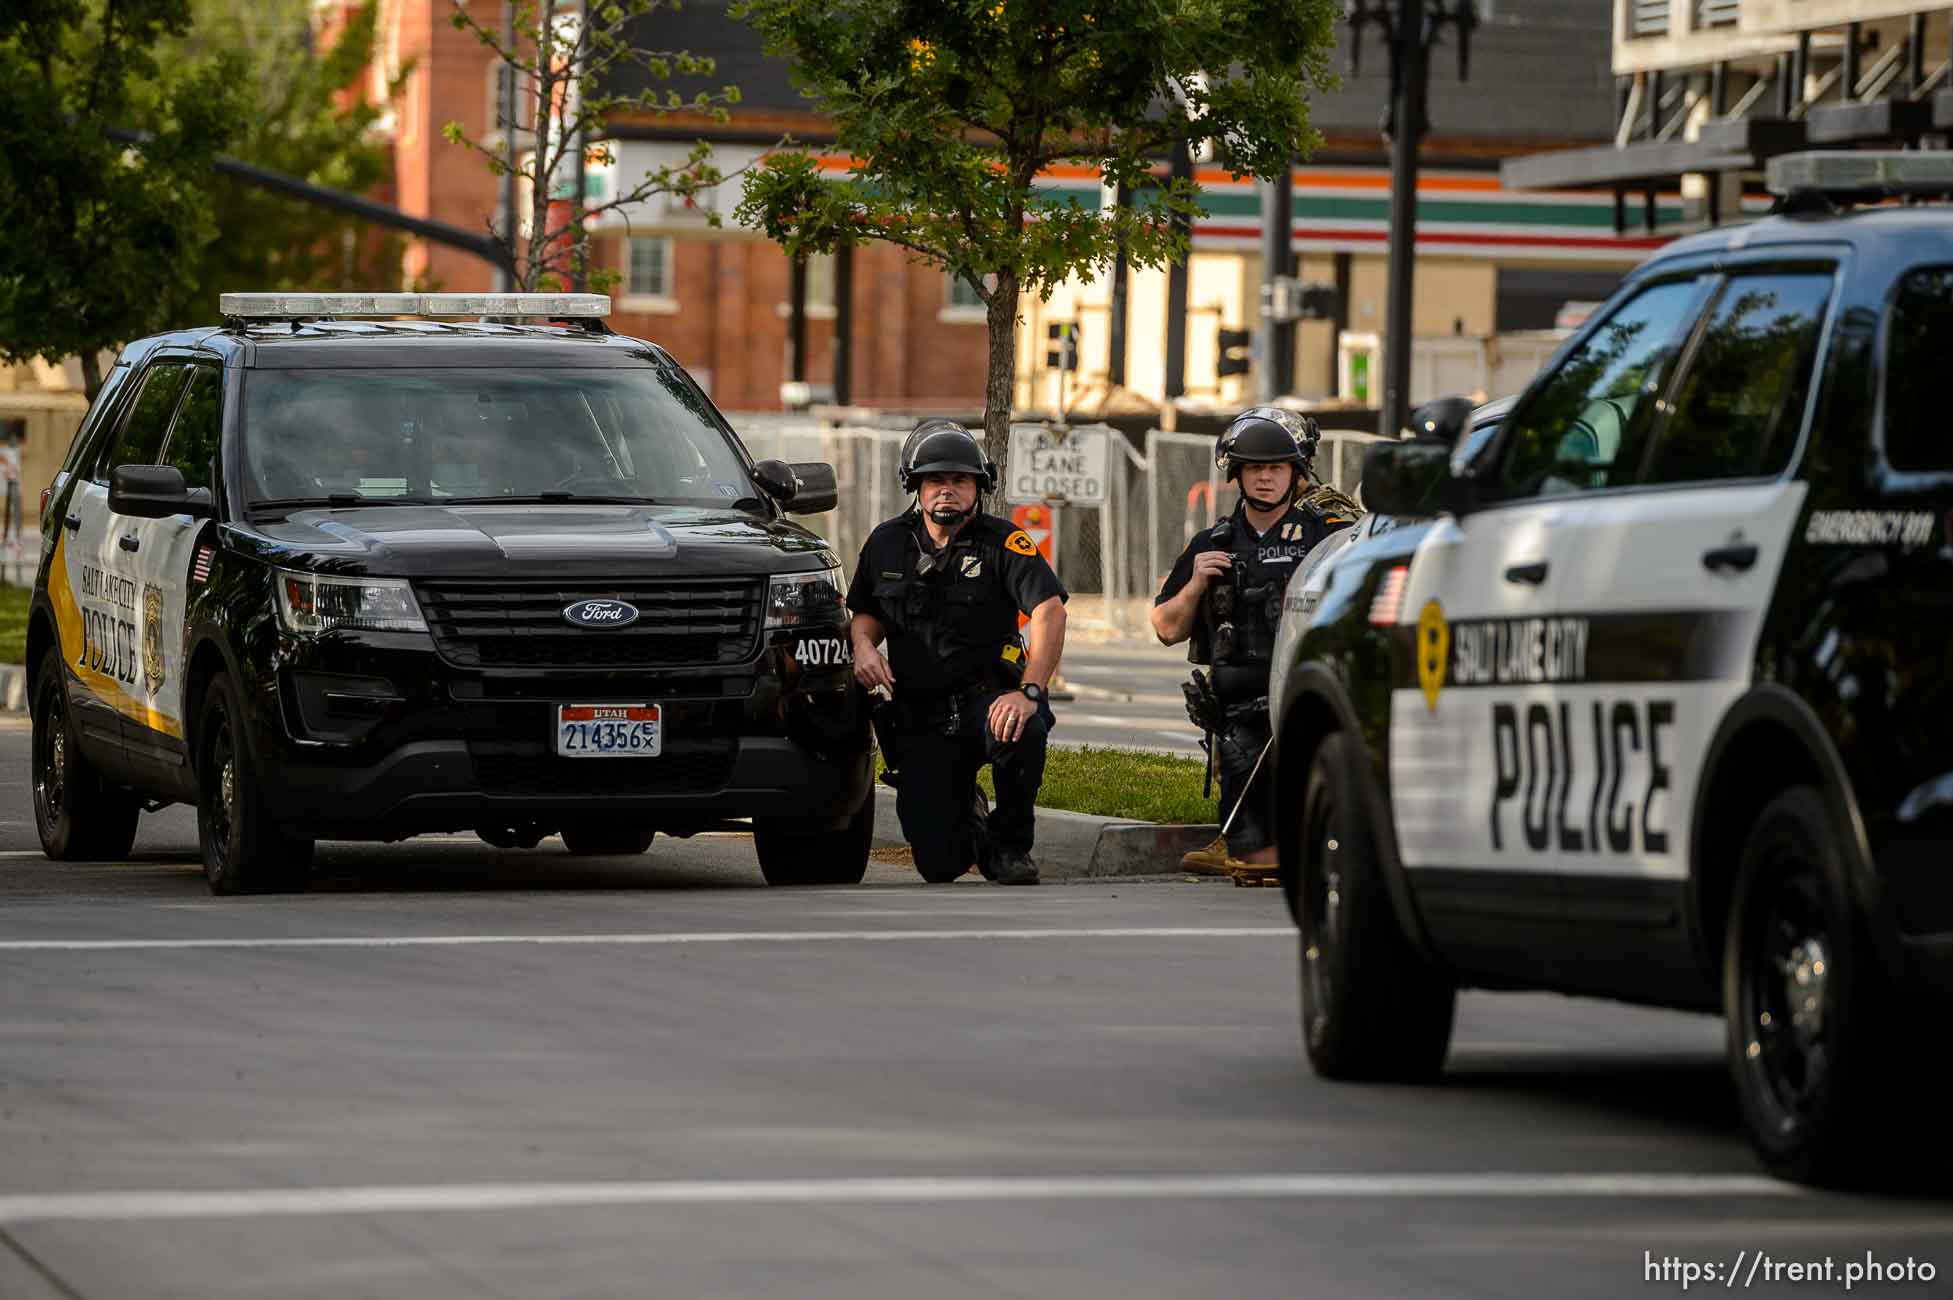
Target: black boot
(1014, 867)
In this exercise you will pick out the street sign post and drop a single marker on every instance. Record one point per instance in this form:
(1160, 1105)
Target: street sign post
(1063, 467)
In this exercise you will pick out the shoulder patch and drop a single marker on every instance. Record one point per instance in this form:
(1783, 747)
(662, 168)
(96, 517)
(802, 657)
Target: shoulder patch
(1020, 541)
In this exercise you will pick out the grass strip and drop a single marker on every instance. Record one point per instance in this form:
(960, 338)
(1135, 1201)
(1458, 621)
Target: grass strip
(1127, 783)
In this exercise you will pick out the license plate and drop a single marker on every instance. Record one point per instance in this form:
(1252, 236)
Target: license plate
(609, 730)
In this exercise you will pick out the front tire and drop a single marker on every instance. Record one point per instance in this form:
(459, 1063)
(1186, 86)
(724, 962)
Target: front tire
(1810, 1013)
(607, 841)
(244, 852)
(800, 857)
(1372, 1008)
(80, 817)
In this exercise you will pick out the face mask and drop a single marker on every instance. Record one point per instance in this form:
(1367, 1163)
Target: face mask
(947, 515)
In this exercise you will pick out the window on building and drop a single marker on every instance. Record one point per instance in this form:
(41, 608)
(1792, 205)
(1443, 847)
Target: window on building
(1740, 406)
(647, 268)
(1586, 424)
(1920, 340)
(961, 294)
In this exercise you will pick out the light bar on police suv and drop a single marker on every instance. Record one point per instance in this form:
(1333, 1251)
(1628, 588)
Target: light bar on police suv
(1843, 172)
(275, 306)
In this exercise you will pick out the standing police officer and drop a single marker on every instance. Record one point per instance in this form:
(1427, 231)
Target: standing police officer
(1225, 592)
(944, 584)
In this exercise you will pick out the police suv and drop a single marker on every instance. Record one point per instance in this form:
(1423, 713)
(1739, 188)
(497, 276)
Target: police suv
(1656, 701)
(327, 573)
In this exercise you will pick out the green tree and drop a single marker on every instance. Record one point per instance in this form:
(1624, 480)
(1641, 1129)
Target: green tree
(304, 117)
(101, 236)
(573, 68)
(952, 108)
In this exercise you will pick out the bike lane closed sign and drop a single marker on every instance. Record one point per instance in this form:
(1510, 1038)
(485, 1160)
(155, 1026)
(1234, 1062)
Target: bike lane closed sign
(1051, 465)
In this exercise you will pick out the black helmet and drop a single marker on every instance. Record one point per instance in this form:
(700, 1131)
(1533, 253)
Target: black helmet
(944, 447)
(1266, 435)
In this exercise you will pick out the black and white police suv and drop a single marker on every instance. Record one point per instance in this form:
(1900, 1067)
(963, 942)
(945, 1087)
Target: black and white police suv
(1655, 702)
(325, 573)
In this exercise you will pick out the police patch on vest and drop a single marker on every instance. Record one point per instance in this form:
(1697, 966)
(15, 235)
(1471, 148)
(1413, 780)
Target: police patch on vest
(973, 566)
(1020, 541)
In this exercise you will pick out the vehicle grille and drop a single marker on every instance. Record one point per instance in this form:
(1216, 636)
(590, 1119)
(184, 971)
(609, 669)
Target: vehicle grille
(504, 623)
(681, 769)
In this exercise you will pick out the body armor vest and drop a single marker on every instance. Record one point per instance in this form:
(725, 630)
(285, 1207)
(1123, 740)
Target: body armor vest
(1242, 611)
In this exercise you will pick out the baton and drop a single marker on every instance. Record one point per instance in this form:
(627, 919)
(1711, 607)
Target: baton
(1243, 796)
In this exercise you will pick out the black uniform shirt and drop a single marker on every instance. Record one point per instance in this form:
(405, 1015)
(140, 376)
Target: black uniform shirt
(949, 613)
(1280, 548)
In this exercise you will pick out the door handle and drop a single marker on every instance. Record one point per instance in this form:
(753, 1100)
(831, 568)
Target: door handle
(1531, 574)
(129, 542)
(1736, 559)
(73, 523)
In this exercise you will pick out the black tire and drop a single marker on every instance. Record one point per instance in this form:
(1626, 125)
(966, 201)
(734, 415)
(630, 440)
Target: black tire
(80, 816)
(244, 851)
(1372, 1008)
(1812, 1019)
(604, 841)
(788, 856)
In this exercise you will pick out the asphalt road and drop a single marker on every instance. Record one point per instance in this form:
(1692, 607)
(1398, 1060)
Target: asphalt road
(456, 1071)
(1125, 694)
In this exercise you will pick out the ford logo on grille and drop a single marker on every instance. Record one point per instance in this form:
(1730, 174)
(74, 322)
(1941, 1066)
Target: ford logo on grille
(600, 613)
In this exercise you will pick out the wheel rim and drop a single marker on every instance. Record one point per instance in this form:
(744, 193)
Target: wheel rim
(1787, 996)
(51, 771)
(1321, 907)
(220, 792)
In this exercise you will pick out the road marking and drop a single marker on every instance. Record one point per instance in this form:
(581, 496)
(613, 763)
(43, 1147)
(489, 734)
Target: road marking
(262, 1203)
(641, 940)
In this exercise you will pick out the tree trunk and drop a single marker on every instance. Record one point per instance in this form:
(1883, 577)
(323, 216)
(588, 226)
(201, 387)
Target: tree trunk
(1001, 380)
(91, 373)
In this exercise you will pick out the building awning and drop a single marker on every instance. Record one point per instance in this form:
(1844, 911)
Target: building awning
(1738, 144)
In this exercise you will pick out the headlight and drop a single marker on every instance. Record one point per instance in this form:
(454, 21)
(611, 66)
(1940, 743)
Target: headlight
(309, 603)
(796, 598)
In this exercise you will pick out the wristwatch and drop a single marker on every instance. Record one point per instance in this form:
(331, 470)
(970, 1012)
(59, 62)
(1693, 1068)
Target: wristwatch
(1033, 692)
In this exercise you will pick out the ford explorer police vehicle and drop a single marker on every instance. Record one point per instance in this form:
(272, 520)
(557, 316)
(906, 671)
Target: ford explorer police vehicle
(328, 574)
(1659, 706)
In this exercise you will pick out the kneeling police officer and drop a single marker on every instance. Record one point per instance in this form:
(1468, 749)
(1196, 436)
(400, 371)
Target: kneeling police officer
(1225, 593)
(944, 584)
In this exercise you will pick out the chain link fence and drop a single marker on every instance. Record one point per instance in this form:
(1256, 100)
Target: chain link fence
(1160, 491)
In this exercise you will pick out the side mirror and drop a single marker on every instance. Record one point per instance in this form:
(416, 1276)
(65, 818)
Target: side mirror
(155, 492)
(1407, 478)
(815, 490)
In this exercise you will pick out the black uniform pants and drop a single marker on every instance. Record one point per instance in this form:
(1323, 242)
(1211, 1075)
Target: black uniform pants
(937, 785)
(1241, 744)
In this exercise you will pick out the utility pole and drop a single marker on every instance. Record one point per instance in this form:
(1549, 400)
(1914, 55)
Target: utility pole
(1274, 375)
(1180, 168)
(505, 110)
(1410, 28)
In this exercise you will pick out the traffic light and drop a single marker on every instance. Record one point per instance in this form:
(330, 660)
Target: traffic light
(1063, 352)
(1233, 345)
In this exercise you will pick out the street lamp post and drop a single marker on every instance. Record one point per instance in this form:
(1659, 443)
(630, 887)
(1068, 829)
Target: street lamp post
(1410, 28)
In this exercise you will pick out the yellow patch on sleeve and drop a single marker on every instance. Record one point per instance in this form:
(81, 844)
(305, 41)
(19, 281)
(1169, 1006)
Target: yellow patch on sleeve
(1020, 541)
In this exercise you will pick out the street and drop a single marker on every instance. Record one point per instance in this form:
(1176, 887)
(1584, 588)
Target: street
(1126, 695)
(457, 1071)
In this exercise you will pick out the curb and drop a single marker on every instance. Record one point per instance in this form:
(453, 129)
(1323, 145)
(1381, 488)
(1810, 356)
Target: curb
(13, 688)
(1079, 846)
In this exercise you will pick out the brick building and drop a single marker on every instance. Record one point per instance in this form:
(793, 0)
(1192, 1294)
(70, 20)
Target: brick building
(1489, 260)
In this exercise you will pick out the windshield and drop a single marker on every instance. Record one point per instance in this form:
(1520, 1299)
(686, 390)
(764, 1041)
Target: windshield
(358, 436)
